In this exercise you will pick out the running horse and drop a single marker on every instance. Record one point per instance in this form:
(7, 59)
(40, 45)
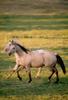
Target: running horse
(37, 58)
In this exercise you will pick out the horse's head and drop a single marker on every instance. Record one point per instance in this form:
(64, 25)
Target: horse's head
(13, 47)
(10, 47)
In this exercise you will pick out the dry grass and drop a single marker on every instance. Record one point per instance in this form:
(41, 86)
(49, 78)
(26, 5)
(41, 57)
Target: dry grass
(39, 89)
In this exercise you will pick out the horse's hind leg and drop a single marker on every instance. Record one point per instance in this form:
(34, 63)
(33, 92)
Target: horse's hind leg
(53, 71)
(57, 79)
(29, 73)
(38, 73)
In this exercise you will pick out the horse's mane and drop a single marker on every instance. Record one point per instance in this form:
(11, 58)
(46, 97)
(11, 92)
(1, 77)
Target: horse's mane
(23, 48)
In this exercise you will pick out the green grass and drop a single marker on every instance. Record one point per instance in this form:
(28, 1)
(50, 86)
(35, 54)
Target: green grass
(36, 24)
(29, 22)
(38, 89)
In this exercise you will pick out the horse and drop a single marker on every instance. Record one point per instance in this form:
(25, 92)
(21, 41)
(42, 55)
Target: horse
(26, 58)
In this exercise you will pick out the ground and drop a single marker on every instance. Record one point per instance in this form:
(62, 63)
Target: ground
(40, 89)
(36, 24)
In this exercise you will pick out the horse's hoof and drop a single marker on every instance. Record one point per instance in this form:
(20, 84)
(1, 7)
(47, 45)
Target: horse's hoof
(49, 78)
(56, 82)
(49, 81)
(29, 81)
(20, 79)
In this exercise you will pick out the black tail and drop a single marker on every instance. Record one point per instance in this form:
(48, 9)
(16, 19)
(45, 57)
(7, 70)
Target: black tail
(61, 63)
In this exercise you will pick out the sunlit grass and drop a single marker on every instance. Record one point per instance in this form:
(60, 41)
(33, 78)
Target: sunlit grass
(39, 89)
(36, 24)
(38, 37)
(56, 40)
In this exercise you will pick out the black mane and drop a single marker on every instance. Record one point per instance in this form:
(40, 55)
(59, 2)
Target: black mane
(23, 48)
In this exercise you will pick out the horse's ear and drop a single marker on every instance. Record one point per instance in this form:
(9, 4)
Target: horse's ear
(12, 41)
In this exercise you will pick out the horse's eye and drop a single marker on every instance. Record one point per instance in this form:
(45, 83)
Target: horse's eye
(6, 49)
(9, 44)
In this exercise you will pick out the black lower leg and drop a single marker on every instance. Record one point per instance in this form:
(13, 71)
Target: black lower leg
(19, 76)
(57, 79)
(51, 75)
(30, 79)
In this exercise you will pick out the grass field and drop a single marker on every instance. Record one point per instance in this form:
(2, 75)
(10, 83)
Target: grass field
(39, 89)
(33, 7)
(36, 24)
(29, 22)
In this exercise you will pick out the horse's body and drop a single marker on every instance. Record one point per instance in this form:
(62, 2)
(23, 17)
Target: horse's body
(37, 59)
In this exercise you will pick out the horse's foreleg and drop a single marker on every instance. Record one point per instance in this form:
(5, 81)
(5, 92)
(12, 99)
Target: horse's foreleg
(30, 78)
(18, 75)
(12, 71)
(38, 73)
(29, 73)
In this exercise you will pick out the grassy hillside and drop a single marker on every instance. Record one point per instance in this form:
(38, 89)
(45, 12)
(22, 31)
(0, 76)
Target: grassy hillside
(39, 89)
(33, 6)
(29, 22)
(33, 14)
(54, 40)
(35, 24)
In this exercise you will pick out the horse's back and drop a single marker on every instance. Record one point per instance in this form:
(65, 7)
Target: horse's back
(49, 58)
(43, 57)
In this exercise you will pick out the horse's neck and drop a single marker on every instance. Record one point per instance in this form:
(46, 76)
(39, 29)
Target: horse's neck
(19, 54)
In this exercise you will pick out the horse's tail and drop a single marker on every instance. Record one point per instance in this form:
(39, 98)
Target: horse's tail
(61, 63)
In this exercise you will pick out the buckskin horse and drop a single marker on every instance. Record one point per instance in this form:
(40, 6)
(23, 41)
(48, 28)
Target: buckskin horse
(37, 58)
